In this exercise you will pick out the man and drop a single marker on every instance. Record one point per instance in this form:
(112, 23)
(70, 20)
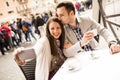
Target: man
(78, 31)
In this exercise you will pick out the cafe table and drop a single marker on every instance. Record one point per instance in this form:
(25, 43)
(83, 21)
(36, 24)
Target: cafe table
(91, 65)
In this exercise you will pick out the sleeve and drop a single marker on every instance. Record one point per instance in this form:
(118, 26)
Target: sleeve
(43, 59)
(73, 50)
(104, 32)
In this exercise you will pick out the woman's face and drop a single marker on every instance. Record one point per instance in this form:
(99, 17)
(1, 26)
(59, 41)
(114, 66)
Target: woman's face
(55, 29)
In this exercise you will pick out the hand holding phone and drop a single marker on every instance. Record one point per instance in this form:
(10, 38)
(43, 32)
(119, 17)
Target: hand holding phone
(94, 31)
(27, 54)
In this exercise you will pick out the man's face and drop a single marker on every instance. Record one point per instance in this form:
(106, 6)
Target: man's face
(63, 15)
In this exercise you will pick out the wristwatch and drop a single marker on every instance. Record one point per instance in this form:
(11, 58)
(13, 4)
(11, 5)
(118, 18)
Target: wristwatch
(112, 43)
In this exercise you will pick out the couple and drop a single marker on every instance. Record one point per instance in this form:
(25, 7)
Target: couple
(51, 50)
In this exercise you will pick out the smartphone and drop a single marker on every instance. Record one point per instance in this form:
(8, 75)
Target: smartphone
(27, 54)
(94, 31)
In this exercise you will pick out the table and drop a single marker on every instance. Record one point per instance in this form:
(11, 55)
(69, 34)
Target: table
(92, 65)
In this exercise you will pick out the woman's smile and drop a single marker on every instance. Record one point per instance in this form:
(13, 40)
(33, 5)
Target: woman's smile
(55, 30)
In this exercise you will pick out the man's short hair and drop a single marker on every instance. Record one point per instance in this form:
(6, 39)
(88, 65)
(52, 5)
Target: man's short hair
(69, 6)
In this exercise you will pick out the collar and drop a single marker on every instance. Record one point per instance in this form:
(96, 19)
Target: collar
(78, 19)
(73, 27)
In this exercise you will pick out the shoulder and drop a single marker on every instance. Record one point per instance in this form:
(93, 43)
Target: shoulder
(42, 43)
(43, 40)
(83, 18)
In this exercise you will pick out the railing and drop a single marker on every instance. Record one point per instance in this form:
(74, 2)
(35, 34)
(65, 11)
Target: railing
(112, 16)
(107, 21)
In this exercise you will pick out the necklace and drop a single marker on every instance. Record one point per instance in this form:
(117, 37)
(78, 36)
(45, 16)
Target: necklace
(58, 42)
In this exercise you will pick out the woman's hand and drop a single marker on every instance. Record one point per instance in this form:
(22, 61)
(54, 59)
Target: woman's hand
(67, 45)
(16, 57)
(87, 37)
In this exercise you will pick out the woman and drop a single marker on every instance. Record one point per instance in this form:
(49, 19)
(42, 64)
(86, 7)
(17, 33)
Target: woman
(48, 50)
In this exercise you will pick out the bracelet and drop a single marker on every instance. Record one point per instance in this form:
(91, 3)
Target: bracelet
(19, 62)
(111, 43)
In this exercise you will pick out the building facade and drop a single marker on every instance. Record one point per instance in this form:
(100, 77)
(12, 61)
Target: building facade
(11, 9)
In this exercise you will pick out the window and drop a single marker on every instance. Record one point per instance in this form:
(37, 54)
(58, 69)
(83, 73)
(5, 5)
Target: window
(18, 9)
(25, 7)
(9, 12)
(22, 0)
(1, 14)
(7, 4)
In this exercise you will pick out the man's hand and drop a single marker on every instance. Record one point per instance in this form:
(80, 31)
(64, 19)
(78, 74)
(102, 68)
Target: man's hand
(67, 45)
(87, 37)
(115, 48)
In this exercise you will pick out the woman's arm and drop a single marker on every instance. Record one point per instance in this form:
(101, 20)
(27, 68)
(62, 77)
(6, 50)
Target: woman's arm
(43, 58)
(16, 56)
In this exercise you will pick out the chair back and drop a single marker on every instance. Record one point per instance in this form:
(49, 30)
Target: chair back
(29, 69)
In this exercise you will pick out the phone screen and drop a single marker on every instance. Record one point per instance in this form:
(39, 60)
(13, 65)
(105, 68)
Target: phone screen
(27, 54)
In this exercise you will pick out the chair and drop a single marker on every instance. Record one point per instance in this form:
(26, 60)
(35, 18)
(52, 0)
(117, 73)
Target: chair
(29, 69)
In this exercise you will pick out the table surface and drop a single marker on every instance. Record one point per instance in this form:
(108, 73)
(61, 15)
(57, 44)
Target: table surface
(92, 65)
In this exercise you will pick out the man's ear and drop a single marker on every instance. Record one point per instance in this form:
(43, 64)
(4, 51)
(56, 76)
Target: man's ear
(71, 13)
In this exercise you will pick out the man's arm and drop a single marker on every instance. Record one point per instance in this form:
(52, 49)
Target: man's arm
(72, 50)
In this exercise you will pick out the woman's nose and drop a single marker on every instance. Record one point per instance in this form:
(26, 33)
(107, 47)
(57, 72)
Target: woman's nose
(56, 30)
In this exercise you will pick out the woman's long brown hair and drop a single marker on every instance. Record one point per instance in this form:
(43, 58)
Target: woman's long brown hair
(51, 39)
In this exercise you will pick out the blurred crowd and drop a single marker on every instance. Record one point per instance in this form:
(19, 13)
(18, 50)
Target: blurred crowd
(13, 34)
(83, 5)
